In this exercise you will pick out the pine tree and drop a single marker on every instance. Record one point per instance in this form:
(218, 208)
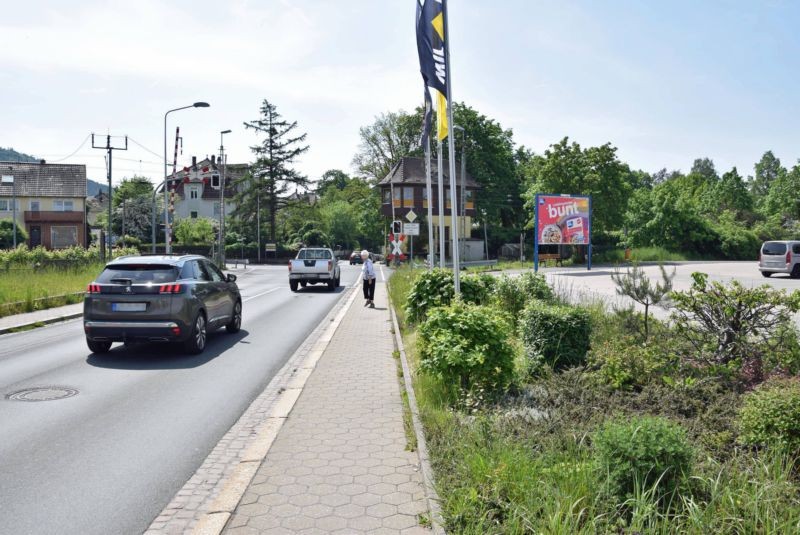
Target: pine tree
(271, 178)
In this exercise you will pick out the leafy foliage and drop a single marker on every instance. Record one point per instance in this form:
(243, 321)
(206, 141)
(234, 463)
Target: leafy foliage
(770, 416)
(556, 335)
(624, 363)
(435, 288)
(468, 346)
(511, 294)
(642, 453)
(7, 234)
(733, 326)
(199, 231)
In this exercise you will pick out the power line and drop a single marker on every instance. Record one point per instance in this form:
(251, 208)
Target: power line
(145, 148)
(74, 152)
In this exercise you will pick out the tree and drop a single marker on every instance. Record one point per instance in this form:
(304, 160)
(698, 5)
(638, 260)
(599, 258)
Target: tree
(7, 234)
(636, 285)
(131, 188)
(729, 193)
(137, 213)
(271, 176)
(339, 224)
(768, 170)
(392, 136)
(198, 231)
(332, 178)
(595, 171)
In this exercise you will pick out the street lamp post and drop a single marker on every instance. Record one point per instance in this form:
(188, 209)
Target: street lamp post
(222, 200)
(167, 233)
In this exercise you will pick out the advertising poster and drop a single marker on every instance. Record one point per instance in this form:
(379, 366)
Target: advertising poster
(562, 220)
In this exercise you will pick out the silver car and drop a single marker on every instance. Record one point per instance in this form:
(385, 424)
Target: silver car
(160, 299)
(780, 257)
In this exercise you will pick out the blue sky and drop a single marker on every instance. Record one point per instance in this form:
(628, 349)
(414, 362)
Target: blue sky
(665, 82)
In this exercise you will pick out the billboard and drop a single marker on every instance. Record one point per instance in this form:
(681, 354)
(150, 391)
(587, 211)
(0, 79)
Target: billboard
(563, 219)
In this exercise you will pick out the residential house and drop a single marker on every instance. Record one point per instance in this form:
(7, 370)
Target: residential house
(197, 188)
(404, 189)
(51, 202)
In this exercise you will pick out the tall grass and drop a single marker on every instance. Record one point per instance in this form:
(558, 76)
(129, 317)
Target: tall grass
(21, 288)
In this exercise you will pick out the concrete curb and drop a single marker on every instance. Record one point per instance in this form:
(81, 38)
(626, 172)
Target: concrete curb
(428, 480)
(215, 519)
(48, 321)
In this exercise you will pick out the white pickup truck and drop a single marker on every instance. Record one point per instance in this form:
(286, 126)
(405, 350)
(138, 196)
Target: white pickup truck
(314, 266)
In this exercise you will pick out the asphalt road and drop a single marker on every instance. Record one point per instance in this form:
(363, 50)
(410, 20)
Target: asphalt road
(580, 284)
(108, 459)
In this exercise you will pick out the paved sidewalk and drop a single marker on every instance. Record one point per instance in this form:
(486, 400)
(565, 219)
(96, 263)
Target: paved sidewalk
(339, 464)
(44, 316)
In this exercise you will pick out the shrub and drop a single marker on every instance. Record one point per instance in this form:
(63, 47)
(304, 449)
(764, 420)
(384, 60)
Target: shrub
(733, 326)
(557, 335)
(467, 346)
(642, 453)
(511, 294)
(770, 416)
(435, 288)
(625, 364)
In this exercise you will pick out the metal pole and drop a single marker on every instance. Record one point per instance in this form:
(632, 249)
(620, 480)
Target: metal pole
(431, 254)
(153, 223)
(222, 201)
(463, 191)
(485, 238)
(440, 187)
(167, 233)
(14, 208)
(452, 154)
(110, 196)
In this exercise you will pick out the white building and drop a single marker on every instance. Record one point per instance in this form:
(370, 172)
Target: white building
(197, 188)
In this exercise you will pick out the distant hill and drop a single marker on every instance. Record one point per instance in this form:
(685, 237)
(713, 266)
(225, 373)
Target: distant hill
(93, 188)
(10, 155)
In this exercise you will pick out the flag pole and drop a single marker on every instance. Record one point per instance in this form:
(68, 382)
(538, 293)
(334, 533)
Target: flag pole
(452, 155)
(431, 254)
(440, 187)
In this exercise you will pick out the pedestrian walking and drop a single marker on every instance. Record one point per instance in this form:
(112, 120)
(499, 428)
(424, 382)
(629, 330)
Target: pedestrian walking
(369, 278)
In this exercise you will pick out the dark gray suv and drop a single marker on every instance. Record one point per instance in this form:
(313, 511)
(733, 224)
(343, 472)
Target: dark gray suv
(160, 299)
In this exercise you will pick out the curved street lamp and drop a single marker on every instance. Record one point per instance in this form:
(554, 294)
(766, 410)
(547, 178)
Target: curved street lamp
(167, 233)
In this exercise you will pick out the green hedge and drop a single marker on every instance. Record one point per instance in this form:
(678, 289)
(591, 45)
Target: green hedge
(435, 288)
(22, 256)
(511, 294)
(557, 335)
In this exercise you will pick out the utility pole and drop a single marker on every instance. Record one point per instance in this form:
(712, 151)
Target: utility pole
(110, 150)
(223, 162)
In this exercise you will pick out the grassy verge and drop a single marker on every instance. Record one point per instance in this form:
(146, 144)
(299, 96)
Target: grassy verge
(26, 290)
(525, 463)
(642, 254)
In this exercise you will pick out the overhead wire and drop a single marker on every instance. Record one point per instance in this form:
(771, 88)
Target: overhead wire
(75, 151)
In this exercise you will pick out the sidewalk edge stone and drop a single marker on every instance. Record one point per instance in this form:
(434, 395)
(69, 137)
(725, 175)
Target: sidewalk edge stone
(47, 321)
(428, 480)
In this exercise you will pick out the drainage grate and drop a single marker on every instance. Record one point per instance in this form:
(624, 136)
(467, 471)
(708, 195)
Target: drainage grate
(42, 393)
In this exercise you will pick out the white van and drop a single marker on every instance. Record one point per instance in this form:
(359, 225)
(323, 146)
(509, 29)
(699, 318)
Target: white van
(780, 257)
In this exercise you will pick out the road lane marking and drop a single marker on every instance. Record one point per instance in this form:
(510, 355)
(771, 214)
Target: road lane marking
(259, 295)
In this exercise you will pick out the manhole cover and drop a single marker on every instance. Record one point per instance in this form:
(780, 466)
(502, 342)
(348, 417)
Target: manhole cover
(42, 393)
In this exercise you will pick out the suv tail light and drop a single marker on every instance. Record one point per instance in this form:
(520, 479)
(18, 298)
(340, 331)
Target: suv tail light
(788, 257)
(290, 266)
(330, 265)
(93, 289)
(171, 289)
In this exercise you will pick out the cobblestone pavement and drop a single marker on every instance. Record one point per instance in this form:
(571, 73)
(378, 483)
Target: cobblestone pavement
(339, 464)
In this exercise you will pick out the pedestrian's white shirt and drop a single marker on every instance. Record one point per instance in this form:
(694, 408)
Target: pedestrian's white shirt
(368, 270)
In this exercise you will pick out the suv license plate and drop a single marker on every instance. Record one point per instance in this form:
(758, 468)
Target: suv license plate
(128, 307)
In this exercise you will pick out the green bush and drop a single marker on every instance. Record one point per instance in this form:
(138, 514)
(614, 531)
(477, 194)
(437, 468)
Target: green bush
(557, 335)
(770, 416)
(467, 346)
(642, 453)
(623, 363)
(511, 294)
(435, 288)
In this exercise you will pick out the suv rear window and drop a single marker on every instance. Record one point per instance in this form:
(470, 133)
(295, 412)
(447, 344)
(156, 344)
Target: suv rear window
(314, 254)
(773, 248)
(138, 274)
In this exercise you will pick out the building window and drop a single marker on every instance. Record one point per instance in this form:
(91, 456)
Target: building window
(193, 193)
(62, 206)
(34, 206)
(447, 198)
(193, 215)
(7, 205)
(61, 237)
(216, 209)
(397, 198)
(215, 181)
(408, 197)
(387, 196)
(425, 197)
(469, 202)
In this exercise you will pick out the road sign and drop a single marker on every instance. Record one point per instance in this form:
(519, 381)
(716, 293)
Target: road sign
(411, 216)
(270, 247)
(411, 229)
